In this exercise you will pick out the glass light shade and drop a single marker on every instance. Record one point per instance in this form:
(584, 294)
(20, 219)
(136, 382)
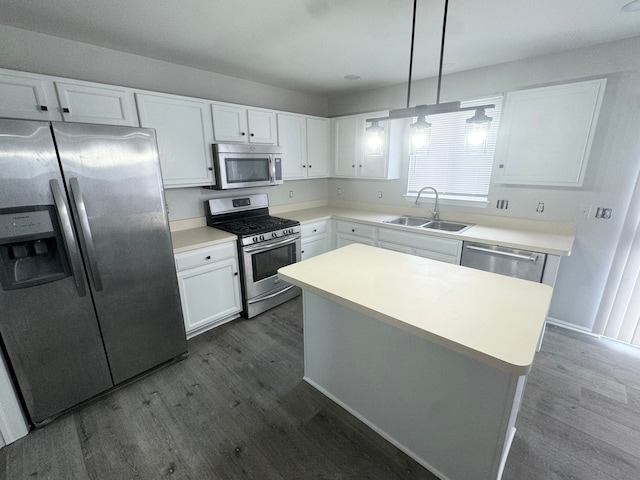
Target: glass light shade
(477, 134)
(420, 133)
(374, 140)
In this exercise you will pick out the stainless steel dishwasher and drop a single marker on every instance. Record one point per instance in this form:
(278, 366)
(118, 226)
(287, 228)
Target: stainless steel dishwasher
(506, 261)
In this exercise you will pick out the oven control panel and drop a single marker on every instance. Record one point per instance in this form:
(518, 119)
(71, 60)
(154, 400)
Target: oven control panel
(265, 237)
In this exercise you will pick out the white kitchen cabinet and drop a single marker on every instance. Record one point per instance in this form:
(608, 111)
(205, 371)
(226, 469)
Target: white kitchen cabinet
(546, 134)
(40, 97)
(89, 103)
(239, 124)
(28, 96)
(318, 147)
(350, 158)
(185, 135)
(209, 286)
(423, 245)
(351, 232)
(315, 239)
(305, 146)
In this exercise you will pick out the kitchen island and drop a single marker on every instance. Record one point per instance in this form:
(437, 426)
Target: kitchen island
(432, 356)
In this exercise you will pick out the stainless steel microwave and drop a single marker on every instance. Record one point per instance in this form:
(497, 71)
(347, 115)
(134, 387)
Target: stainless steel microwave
(242, 166)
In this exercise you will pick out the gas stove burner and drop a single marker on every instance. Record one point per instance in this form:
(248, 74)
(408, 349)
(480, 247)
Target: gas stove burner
(255, 225)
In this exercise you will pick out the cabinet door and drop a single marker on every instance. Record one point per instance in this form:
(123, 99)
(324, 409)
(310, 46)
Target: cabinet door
(262, 126)
(312, 246)
(318, 147)
(27, 97)
(346, 149)
(292, 139)
(184, 132)
(546, 134)
(209, 293)
(229, 123)
(89, 104)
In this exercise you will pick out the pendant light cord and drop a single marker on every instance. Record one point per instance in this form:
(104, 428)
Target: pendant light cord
(444, 31)
(413, 36)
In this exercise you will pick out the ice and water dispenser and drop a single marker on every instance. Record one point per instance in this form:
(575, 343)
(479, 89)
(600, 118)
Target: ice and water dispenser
(32, 251)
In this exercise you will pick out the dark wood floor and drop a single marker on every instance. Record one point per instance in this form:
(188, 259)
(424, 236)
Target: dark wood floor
(238, 409)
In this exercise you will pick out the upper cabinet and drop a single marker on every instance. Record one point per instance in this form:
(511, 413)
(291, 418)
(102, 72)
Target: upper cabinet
(185, 134)
(350, 157)
(305, 146)
(28, 96)
(546, 134)
(87, 103)
(37, 97)
(239, 124)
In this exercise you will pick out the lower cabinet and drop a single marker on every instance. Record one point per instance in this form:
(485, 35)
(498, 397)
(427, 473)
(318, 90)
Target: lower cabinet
(315, 239)
(209, 284)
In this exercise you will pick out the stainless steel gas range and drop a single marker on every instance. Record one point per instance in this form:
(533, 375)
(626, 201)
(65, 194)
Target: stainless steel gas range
(265, 243)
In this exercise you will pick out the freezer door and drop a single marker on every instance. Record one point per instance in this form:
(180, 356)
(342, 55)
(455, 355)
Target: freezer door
(115, 188)
(47, 320)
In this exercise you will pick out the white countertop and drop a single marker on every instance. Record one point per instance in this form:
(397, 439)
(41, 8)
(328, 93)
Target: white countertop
(198, 237)
(543, 237)
(492, 318)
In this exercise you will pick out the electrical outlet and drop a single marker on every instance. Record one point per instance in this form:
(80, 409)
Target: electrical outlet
(602, 212)
(540, 207)
(380, 194)
(502, 204)
(290, 193)
(339, 191)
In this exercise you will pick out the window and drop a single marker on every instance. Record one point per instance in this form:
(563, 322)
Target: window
(457, 170)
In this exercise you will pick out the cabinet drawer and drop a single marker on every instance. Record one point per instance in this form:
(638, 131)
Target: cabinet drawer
(315, 228)
(446, 246)
(356, 229)
(203, 256)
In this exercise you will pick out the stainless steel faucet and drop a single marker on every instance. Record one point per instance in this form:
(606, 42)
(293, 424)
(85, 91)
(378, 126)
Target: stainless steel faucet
(435, 212)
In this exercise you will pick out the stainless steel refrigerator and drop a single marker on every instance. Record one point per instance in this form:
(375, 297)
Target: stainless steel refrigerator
(88, 290)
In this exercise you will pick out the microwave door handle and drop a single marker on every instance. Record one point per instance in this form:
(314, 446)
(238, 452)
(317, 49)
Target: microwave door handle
(272, 169)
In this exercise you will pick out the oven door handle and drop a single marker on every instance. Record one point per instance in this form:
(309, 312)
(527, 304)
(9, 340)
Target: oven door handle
(269, 245)
(267, 297)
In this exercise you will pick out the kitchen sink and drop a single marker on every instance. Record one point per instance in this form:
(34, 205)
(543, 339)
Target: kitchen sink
(408, 221)
(442, 225)
(445, 226)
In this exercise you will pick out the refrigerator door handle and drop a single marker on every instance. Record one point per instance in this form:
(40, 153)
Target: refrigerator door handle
(69, 239)
(87, 238)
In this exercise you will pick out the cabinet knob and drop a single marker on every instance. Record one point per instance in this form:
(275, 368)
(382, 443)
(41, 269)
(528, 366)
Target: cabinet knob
(301, 251)
(353, 229)
(252, 134)
(310, 166)
(235, 274)
(66, 110)
(304, 166)
(360, 165)
(242, 133)
(208, 257)
(209, 168)
(353, 166)
(315, 230)
(44, 108)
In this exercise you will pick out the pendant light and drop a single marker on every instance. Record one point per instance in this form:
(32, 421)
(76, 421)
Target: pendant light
(374, 139)
(477, 126)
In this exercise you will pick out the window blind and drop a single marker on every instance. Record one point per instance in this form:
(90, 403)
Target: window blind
(457, 170)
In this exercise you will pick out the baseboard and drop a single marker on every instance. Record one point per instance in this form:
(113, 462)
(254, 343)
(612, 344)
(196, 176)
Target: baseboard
(571, 326)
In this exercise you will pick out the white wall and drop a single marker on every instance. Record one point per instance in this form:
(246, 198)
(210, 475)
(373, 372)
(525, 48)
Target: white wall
(38, 53)
(611, 175)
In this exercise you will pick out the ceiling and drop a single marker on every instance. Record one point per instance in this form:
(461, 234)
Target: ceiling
(310, 45)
